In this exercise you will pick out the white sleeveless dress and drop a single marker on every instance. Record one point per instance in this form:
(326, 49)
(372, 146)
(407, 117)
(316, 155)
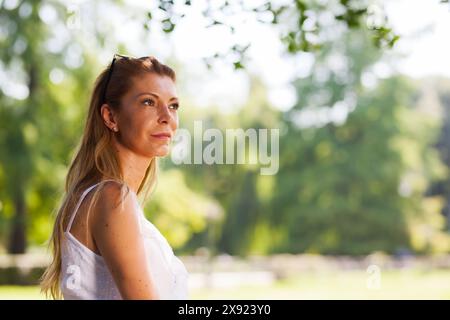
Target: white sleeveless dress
(84, 274)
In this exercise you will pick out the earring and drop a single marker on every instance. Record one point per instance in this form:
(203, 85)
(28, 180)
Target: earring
(115, 129)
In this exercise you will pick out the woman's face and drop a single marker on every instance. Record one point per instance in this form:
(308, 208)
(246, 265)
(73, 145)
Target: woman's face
(148, 117)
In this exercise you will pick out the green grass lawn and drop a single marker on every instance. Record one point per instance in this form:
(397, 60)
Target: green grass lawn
(406, 284)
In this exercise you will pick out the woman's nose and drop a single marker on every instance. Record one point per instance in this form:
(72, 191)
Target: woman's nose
(164, 115)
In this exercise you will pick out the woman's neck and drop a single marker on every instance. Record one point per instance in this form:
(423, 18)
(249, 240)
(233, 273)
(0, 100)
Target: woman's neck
(133, 166)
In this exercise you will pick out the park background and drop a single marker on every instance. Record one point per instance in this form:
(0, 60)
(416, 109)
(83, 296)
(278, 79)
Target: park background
(360, 91)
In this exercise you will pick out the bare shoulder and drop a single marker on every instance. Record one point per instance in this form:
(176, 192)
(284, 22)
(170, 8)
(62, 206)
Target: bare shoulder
(113, 194)
(115, 202)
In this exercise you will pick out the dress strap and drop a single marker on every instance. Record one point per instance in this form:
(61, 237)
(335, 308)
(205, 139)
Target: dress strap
(69, 225)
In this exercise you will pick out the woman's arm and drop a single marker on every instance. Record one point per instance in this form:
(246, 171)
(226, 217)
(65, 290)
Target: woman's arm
(116, 232)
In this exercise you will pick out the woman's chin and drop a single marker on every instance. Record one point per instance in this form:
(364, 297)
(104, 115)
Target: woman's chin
(162, 151)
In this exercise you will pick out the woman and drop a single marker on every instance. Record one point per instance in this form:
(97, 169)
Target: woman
(103, 246)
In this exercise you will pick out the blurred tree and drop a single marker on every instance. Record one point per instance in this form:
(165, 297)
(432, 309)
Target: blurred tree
(300, 21)
(439, 89)
(444, 149)
(421, 123)
(178, 211)
(38, 61)
(341, 188)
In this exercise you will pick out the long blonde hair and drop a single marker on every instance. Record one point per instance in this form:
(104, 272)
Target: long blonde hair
(95, 159)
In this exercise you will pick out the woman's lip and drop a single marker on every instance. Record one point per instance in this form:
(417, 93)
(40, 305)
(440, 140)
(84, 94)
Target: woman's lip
(161, 136)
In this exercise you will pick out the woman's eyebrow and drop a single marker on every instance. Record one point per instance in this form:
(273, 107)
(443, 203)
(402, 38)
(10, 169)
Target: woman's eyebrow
(153, 94)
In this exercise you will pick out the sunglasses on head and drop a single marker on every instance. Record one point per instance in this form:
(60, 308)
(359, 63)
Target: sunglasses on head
(110, 70)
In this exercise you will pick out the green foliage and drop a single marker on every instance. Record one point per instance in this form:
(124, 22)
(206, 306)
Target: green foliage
(302, 22)
(340, 185)
(176, 210)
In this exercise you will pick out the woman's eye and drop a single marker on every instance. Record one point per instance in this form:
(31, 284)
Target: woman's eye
(149, 102)
(175, 106)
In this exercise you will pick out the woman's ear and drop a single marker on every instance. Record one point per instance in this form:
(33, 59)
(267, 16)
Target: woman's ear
(109, 117)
